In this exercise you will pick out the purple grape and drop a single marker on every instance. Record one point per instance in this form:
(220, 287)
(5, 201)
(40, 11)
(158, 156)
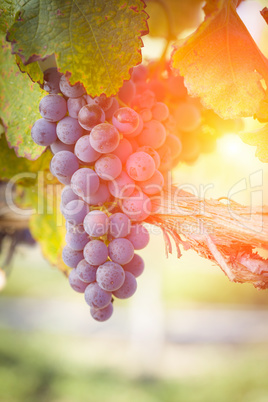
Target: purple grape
(84, 151)
(71, 91)
(90, 116)
(188, 117)
(96, 252)
(160, 111)
(71, 257)
(153, 185)
(152, 152)
(140, 166)
(102, 314)
(109, 113)
(53, 107)
(52, 80)
(58, 146)
(127, 92)
(96, 297)
(85, 182)
(124, 150)
(119, 225)
(139, 73)
(153, 134)
(100, 197)
(74, 105)
(128, 288)
(121, 251)
(104, 138)
(86, 272)
(138, 236)
(108, 167)
(76, 283)
(137, 207)
(69, 130)
(103, 101)
(76, 240)
(146, 115)
(96, 223)
(43, 132)
(110, 276)
(135, 266)
(146, 99)
(63, 165)
(137, 131)
(126, 120)
(68, 195)
(75, 211)
(165, 157)
(121, 187)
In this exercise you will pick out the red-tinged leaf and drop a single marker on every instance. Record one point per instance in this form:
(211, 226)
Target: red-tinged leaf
(264, 13)
(222, 64)
(258, 138)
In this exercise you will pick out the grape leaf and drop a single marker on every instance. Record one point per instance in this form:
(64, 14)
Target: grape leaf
(258, 138)
(8, 10)
(19, 99)
(98, 42)
(32, 69)
(18, 169)
(222, 64)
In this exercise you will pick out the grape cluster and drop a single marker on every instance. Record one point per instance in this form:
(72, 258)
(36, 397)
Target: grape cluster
(112, 155)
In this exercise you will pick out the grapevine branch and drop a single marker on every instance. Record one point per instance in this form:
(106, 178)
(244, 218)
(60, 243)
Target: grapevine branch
(226, 234)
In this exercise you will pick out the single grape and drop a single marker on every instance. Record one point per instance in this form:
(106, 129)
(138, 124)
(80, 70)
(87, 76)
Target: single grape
(135, 266)
(108, 167)
(124, 150)
(137, 131)
(128, 288)
(102, 314)
(166, 158)
(76, 283)
(68, 195)
(104, 138)
(138, 236)
(52, 80)
(85, 182)
(134, 144)
(126, 120)
(139, 73)
(100, 197)
(188, 117)
(96, 252)
(86, 272)
(96, 223)
(153, 134)
(58, 146)
(137, 207)
(127, 92)
(53, 107)
(75, 211)
(160, 111)
(146, 114)
(90, 116)
(43, 132)
(174, 144)
(140, 166)
(74, 105)
(71, 257)
(63, 165)
(84, 151)
(103, 101)
(153, 185)
(114, 106)
(110, 276)
(76, 240)
(146, 99)
(121, 250)
(71, 91)
(119, 225)
(152, 152)
(96, 297)
(69, 130)
(121, 187)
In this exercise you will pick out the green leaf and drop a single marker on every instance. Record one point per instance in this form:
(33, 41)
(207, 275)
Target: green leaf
(222, 64)
(8, 10)
(18, 169)
(258, 138)
(19, 100)
(98, 42)
(32, 69)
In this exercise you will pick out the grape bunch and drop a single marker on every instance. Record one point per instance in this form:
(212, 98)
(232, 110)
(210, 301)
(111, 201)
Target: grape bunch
(111, 154)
